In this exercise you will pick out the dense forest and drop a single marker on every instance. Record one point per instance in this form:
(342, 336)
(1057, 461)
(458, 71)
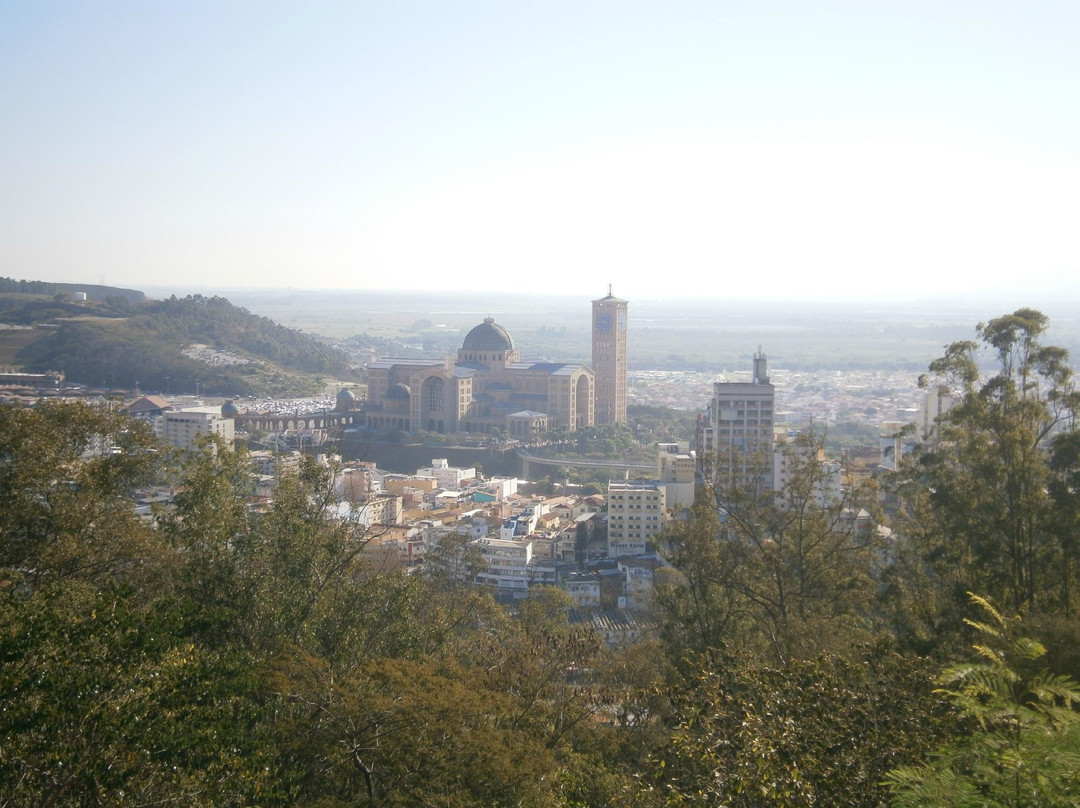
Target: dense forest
(121, 344)
(909, 645)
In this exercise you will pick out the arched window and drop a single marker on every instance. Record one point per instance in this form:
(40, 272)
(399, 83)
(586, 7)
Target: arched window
(435, 395)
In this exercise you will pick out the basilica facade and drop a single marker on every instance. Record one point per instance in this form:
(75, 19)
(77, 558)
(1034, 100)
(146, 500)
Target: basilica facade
(486, 389)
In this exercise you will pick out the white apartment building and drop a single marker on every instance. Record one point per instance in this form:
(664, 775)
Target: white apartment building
(378, 509)
(790, 459)
(501, 487)
(445, 475)
(636, 513)
(508, 564)
(675, 470)
(274, 463)
(936, 403)
(522, 524)
(584, 590)
(638, 585)
(898, 439)
(182, 429)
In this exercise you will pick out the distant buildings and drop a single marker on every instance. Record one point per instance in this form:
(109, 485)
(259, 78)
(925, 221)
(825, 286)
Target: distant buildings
(801, 465)
(937, 402)
(899, 437)
(377, 509)
(49, 380)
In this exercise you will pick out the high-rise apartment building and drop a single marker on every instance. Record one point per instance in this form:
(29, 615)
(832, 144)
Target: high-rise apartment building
(937, 403)
(638, 510)
(738, 435)
(636, 513)
(609, 358)
(676, 470)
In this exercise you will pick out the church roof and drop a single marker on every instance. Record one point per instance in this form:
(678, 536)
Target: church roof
(399, 392)
(548, 366)
(390, 362)
(567, 370)
(149, 404)
(488, 336)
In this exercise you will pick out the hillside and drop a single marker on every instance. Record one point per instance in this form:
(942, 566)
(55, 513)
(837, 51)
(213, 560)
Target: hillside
(93, 291)
(119, 343)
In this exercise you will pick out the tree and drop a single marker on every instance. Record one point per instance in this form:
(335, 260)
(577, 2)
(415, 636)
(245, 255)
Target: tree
(790, 572)
(529, 657)
(555, 474)
(235, 657)
(104, 698)
(67, 480)
(103, 702)
(1023, 743)
(702, 610)
(821, 731)
(984, 507)
(1064, 491)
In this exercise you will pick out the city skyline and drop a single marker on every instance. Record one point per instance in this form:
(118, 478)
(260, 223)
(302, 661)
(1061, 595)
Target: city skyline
(797, 153)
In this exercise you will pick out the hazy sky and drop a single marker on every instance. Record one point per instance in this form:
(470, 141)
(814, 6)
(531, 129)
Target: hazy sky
(750, 149)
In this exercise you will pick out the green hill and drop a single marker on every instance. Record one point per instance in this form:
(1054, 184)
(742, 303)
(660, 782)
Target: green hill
(115, 342)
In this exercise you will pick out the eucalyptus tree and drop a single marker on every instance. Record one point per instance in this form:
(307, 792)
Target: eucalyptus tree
(985, 506)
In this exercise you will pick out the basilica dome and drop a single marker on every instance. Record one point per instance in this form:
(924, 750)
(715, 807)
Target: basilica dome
(488, 337)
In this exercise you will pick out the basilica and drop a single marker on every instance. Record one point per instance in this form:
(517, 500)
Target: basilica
(488, 389)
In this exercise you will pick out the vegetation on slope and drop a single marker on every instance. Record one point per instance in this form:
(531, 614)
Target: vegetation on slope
(93, 291)
(119, 344)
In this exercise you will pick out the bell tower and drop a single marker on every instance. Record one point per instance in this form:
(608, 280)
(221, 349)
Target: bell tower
(609, 358)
